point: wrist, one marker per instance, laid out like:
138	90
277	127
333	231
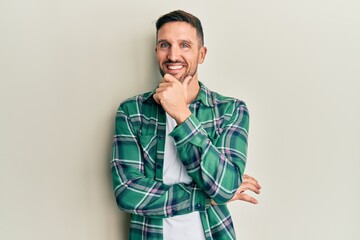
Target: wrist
182	116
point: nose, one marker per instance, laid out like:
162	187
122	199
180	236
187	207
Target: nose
174	54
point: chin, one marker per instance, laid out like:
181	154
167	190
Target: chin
178	76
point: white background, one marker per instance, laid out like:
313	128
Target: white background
66	65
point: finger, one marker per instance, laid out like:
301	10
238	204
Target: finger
164	84
169	78
248	178
255	184
247	198
161	89
249	186
156	98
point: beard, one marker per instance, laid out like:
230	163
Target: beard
183	76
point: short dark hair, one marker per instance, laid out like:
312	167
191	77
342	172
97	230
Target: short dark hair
182	16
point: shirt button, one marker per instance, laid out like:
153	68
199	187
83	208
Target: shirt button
160	137
198	206
158	165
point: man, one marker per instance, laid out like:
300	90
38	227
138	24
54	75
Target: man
179	152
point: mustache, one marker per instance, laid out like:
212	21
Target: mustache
169	61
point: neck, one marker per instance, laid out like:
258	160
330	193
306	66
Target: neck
193	89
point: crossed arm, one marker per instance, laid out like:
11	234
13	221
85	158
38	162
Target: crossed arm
208	162
140	194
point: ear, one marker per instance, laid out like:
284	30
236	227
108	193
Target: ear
202	55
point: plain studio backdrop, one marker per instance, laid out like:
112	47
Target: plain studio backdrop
65	66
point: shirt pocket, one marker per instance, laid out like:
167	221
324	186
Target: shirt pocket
148	144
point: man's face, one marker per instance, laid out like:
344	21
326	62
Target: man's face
178	50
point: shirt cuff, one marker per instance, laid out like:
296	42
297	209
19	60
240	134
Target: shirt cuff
200	201
189	131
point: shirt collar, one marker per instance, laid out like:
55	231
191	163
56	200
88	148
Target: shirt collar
204	96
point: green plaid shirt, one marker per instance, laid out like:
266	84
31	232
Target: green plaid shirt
212	145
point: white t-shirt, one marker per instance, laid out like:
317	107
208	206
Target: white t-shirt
187	226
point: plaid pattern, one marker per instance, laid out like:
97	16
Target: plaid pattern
212	145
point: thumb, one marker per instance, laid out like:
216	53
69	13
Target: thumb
186	81
156	98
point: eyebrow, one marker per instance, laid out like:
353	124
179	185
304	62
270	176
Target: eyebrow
161	41
187	41
180	41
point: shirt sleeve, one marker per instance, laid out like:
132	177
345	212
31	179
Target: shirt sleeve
134	192
215	164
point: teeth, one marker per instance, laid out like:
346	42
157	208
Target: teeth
175	67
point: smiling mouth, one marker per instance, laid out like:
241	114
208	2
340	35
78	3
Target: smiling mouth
175	67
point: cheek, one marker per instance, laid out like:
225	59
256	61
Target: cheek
200	58
160	56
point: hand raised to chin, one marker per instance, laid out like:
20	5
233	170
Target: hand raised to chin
171	94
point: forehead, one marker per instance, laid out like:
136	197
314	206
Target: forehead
177	31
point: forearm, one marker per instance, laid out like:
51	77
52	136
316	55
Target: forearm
138	192
151	198
212	170
216	165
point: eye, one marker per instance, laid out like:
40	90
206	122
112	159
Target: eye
164	45
184	45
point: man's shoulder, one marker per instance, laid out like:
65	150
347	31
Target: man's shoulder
218	97
214	98
136	101
140	97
